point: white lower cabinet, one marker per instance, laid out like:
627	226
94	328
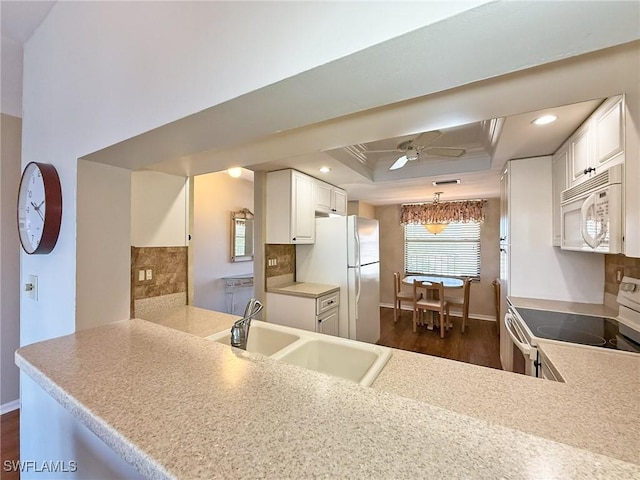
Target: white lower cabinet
320	314
328	322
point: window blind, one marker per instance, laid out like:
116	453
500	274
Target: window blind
454	252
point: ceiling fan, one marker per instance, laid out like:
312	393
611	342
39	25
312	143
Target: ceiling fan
412	149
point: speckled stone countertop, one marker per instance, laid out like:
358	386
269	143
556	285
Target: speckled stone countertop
304	289
597	408
193	320
178	406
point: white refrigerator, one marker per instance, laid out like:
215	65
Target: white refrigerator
346	253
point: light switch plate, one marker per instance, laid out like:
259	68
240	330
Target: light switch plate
31	287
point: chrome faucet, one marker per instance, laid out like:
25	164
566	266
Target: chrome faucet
240	329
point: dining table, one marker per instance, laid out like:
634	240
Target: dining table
447	282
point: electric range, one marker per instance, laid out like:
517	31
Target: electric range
528	326
576	328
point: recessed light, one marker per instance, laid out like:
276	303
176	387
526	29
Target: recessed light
234	172
325	169
543	120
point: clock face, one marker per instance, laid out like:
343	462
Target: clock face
39	208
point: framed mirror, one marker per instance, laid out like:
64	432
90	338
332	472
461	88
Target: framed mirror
242	236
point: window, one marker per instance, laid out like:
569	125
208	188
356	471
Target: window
454	252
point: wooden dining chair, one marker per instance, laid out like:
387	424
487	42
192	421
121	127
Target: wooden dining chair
432	300
399	297
461	300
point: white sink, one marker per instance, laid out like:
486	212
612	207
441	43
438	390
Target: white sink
340	357
356	361
264	338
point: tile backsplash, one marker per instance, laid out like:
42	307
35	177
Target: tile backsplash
168	266
285	260
612	263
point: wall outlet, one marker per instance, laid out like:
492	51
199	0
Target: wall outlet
149	274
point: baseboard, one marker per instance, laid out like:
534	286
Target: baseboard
9	407
475	316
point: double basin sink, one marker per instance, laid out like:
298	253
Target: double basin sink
340	357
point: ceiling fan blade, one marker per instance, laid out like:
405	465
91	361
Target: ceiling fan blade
444	151
384	151
426	138
399	163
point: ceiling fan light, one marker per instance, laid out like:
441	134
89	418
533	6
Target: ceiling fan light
435	228
412	154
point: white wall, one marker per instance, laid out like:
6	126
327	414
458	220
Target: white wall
537	269
104	265
159	209
216	195
10	265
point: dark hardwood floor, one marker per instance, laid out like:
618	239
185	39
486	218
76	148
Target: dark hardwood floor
9	443
479	344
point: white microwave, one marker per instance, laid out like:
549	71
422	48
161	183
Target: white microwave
592	214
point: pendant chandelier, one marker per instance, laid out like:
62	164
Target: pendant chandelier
436	228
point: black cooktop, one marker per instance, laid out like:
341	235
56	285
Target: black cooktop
574	328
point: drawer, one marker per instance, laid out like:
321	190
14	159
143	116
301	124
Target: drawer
327	302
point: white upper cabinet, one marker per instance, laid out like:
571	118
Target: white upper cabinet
330	199
559	183
598	143
580	154
290	217
609	131
339	201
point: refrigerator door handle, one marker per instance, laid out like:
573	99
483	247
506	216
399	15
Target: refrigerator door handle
358	286
358	259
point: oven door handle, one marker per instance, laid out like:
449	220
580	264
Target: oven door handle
525	348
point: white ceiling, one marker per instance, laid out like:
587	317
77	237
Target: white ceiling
478	169
20	19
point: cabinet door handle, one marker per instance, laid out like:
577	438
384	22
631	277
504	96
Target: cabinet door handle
589	170
294	239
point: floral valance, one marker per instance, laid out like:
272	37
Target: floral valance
443	212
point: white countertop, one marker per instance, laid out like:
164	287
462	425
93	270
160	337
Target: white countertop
304	289
282	421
